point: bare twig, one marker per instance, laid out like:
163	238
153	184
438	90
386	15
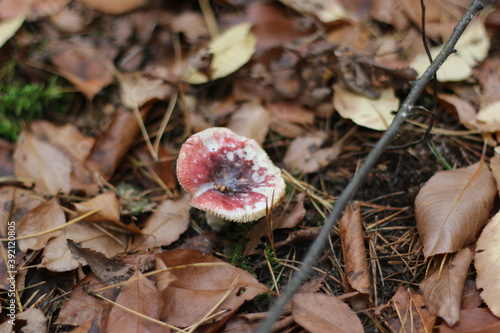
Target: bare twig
371	159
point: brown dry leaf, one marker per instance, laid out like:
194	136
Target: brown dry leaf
137	89
45	164
58	258
169	220
326	11
301	235
302	149
442	289
489	114
225	54
7	158
82	306
314	312
83	65
376	114
44	8
207	285
452	207
204	243
354	251
107	270
472	47
163	167
477	320
36	322
140	295
114	143
115	7
46	216
487	263
191	24
14	204
471	297
411	312
495	166
261	229
108	205
251	120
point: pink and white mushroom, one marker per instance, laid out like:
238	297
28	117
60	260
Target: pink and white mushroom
229	176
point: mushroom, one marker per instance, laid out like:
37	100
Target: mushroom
229	176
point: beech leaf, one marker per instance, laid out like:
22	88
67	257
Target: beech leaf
487	263
453	206
442	289
321	313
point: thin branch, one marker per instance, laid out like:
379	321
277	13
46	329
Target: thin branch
315	248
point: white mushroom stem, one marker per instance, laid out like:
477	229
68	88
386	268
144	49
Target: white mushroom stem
215	222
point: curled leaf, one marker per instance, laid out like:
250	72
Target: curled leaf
452	208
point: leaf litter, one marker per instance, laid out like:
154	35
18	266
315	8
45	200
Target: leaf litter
297	77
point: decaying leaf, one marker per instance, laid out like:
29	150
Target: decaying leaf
140	295
224	55
354	251
487	263
207	284
42	162
46	216
442	289
169	220
321	313
411	312
376	114
452	207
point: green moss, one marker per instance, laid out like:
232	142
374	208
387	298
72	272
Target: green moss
24	103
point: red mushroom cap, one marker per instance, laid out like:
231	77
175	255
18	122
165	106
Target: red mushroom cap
229	175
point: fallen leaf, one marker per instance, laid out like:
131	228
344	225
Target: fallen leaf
226	53
207	284
108	205
140	295
115	7
191	24
354	251
82	306
442	289
251	120
301	235
412	316
471	297
45	164
452	207
487	263
137	89
35	320
495	166
314	312
326	11
376	114
13	14
472	47
58	258
477	320
82	65
114	143
204	243
261	229
169	220
46	216
489	114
